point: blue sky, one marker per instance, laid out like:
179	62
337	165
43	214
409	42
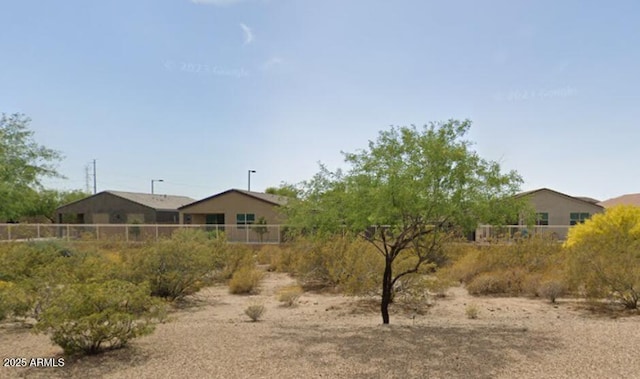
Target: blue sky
198	92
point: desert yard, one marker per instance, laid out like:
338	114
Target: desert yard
333	336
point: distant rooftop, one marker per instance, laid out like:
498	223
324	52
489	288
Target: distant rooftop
628	199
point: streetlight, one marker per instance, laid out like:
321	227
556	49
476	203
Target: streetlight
155	180
249	179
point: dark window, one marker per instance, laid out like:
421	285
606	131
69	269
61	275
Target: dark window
577	218
542	218
245	219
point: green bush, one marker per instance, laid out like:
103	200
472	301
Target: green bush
178	266
88	318
245	280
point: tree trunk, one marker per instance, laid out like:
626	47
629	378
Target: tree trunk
386	291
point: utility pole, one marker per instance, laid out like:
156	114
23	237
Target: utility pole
87	182
95	181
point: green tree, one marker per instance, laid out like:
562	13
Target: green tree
406	193
605	255
45	202
23	163
288	190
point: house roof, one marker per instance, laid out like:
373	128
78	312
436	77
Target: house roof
157	202
578	198
628	199
267	197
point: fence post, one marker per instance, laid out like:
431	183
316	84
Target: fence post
97	232
38	234
9	232
157	236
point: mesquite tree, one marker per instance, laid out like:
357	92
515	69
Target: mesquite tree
405	193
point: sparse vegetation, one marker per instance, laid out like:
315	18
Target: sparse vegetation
508	269
472	311
245	280
289	295
255	311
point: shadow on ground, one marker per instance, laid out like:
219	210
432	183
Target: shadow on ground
416	351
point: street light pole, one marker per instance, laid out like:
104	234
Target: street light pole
249	179
155	180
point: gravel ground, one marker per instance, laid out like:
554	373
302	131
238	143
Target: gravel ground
332	336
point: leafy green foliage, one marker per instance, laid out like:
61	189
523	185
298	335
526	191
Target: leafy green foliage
605	255
284	189
44	203
23	163
87	318
178	266
408	193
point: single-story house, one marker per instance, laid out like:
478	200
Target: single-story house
628	199
555	212
232	211
116	207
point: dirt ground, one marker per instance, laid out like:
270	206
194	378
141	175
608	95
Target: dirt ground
333	336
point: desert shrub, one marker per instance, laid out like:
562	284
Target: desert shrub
88	318
552	289
15	300
350	264
178	266
604	255
488	283
255	311
234	258
289	295
245	280
472	311
277	257
514	269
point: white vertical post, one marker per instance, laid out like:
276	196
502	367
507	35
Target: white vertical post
38	234
68	231
9	232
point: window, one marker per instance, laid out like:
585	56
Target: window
542	218
245	219
577	218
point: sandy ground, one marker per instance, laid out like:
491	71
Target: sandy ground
332	336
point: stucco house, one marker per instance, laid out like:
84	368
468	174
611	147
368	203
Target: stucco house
554	211
238	213
117	207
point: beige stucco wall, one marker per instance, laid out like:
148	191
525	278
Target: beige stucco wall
559	207
231	204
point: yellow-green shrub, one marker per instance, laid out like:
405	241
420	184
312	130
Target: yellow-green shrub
289	295
245	280
178	266
516	268
350	264
87	318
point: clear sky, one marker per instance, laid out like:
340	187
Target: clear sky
197	92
